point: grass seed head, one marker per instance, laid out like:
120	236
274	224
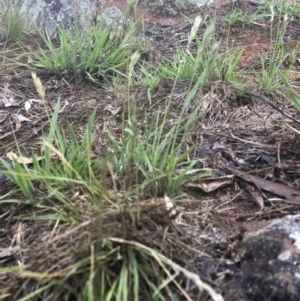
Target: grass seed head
194	29
131	7
38	85
133	60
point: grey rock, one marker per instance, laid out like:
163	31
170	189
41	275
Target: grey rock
2	178
270	267
49	15
113	16
175	7
257	2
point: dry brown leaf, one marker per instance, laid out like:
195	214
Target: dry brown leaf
9	102
171	208
38	101
112	110
20	118
211	185
21	159
27	105
291	194
169	203
64	107
18	126
34	131
256	194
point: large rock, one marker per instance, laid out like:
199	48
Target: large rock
175	7
112	16
50	14
270	268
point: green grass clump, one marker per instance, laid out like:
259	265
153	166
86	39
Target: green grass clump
186	65
287	7
71	187
270	76
238	16
95	56
14	24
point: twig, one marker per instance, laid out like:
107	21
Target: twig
268	101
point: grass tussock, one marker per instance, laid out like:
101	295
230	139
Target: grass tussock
13	23
93	56
104	238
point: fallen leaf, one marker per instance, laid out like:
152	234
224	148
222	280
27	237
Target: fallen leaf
20	118
256	194
112	110
169	203
9	102
34	131
31	100
18	126
27	105
209	186
171	208
21	159
64	107
291	195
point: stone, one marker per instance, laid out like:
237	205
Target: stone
257	2
175	7
270	267
114	17
50	15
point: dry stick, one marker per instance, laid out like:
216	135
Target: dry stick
252	142
161	258
267	100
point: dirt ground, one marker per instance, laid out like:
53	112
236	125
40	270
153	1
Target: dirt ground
241	136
